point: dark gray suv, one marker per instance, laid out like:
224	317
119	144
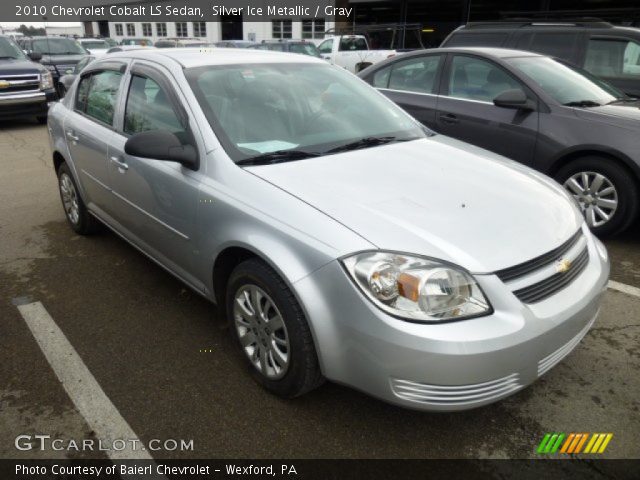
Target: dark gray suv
531	108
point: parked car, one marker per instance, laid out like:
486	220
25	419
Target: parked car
352	52
26	88
144	42
340	237
126	48
69	76
610	52
112	42
537	110
234	44
182	43
95	46
291	46
58	54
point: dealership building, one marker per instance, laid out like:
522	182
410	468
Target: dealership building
437	17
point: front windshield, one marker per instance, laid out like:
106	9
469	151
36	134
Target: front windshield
58	46
8	49
566	84
95	44
262	108
304	48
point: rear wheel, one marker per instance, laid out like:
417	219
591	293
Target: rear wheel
271	330
606	192
79	218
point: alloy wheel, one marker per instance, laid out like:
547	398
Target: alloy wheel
596	195
262	331
69	198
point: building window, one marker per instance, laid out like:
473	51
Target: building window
146	30
199	29
181	29
131	29
161	29
313	28
119	30
281	28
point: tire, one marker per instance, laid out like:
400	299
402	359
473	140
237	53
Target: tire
616	185
42	120
79	218
300	372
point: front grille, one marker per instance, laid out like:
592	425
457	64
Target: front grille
556	282
20	83
529	266
554	358
456	395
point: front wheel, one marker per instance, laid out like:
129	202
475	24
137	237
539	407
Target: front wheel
271	330
606	192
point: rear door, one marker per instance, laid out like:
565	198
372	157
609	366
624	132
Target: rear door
466	110
412	83
89	128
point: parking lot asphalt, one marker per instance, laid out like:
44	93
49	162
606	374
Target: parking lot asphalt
143	336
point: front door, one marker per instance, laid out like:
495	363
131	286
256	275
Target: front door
466	110
155	201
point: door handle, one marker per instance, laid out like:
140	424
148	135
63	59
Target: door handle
120	162
449	118
74	138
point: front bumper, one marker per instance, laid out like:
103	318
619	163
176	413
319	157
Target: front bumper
451	366
26	104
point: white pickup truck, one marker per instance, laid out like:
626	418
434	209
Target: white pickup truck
351	52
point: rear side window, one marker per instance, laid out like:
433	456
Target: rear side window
556	44
97	95
352	43
415	74
149	108
613	57
477	39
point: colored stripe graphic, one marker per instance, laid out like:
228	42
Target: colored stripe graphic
573	443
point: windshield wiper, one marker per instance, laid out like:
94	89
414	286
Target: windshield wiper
367	142
582	103
277	157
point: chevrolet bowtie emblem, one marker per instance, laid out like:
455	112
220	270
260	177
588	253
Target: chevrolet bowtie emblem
4	84
563	265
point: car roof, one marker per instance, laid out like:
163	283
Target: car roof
493	52
198	57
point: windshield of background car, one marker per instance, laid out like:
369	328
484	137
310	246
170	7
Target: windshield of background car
564	83
261	108
95	44
58	46
8	49
304	48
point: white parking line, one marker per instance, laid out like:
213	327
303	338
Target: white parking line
624	288
81	386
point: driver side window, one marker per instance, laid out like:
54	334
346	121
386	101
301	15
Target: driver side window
473	78
149	108
326	46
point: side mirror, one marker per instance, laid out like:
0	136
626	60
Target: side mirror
514	99
161	145
35	56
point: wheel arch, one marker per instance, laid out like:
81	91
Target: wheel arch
574	153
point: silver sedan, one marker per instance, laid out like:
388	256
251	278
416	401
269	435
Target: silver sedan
338	237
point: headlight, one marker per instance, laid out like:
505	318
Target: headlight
46	81
417	289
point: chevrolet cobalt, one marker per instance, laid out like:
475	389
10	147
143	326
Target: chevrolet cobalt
339	237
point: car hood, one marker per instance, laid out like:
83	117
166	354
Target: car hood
620	114
19	67
436	197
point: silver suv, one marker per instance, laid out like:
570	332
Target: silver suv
339	237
